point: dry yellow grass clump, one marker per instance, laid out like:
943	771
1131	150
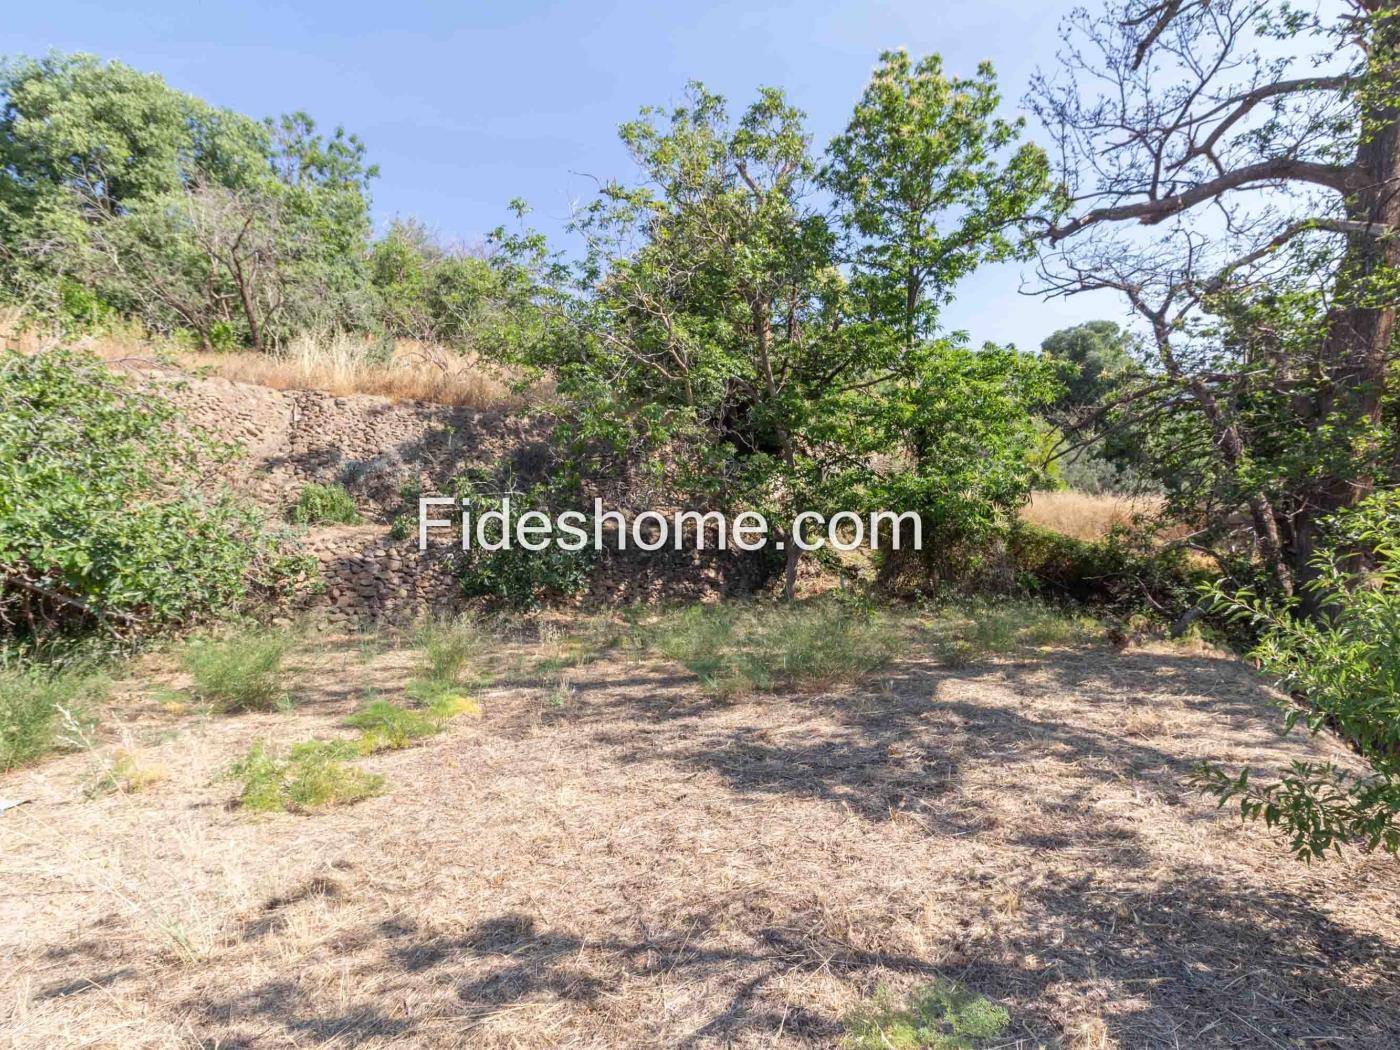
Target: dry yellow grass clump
346	364
1085	516
337	363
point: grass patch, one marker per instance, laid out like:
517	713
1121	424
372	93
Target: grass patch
314	774
388	727
240	673
938	1016
738	649
324	505
962	633
448	645
44	708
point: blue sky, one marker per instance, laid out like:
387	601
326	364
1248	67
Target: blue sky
467	105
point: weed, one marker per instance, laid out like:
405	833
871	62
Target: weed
389	727
961	633
940	1016
448	645
39	704
240	673
314	774
324	505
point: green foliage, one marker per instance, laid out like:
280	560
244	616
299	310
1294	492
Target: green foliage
514	576
388	727
312	775
1102	356
1343	671
101	520
37	701
939	1016
926	193
712	313
1125	573
324	505
243	672
448	645
963	631
738	649
181	215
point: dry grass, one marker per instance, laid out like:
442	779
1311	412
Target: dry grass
338	364
1084	516
344	364
648	866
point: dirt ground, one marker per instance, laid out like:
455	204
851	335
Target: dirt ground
608	857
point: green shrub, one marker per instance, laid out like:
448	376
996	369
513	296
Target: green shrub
939	1016
324	505
736	649
36	701
1125	572
102	523
243	672
312	775
513	576
1342	668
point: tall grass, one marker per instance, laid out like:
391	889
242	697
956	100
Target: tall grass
737	649
242	672
1085	516
963	631
341	363
43	708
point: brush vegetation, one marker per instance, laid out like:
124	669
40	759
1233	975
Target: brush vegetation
311	775
737	649
243	672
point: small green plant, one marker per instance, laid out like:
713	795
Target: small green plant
37	701
389	727
314	774
242	672
736	649
962	632
324	505
448	645
939	1016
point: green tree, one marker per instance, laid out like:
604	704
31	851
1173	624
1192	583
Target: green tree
179	213
1103	356
930	184
710	310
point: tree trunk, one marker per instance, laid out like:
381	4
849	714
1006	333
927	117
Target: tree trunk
1356	348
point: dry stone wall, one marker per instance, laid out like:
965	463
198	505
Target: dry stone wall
376	447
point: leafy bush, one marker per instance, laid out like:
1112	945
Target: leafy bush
313	774
36	700
101	521
324	505
514	576
240	673
940	1016
735	649
1125	572
1343	667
